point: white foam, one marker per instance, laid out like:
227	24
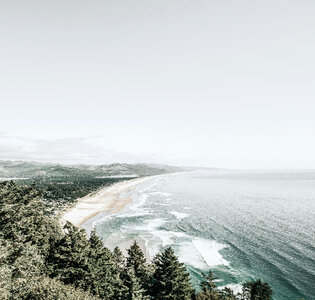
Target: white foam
134	214
178	234
188	255
160	193
164	236
147	188
165	194
139	202
209	250
105	218
179	215
149	225
160	204
167	237
152	249
201	253
236	288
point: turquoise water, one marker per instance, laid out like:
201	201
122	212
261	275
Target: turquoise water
243	225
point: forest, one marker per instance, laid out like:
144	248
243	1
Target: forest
59	193
41	260
61	185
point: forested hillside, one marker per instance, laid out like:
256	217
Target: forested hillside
40	260
35	170
61	185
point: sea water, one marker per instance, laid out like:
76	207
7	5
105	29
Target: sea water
241	224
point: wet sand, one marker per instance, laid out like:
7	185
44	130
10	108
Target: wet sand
107	200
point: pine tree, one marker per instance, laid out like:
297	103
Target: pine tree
44	288
105	278
137	263
209	288
171	279
135	289
69	258
23	218
119	258
256	290
208	283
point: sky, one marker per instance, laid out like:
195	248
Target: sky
212	83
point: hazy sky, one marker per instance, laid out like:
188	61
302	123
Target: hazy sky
214	83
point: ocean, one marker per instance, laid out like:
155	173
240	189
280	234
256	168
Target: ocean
241	224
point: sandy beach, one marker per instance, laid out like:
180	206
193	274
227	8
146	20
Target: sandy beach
107	200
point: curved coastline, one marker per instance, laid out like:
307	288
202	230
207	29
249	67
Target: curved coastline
106	201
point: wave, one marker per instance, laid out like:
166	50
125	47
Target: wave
160	193
149	225
188	255
134	214
235	287
209	250
168	237
139	202
202	253
179	215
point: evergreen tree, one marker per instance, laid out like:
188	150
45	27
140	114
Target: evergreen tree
256	290
208	288
44	288
19	262
23	218
105	278
69	258
135	290
208	283
171	279
5	270
119	258
137	263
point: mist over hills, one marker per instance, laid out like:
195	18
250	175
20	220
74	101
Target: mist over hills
37	170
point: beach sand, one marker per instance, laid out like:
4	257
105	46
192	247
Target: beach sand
106	201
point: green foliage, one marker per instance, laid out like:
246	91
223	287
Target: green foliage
209	289
208	284
135	290
171	279
105	278
22	275
256	290
44	288
137	263
60	192
137	267
69	259
119	259
23	218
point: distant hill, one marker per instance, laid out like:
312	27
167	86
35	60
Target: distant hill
61	185
36	170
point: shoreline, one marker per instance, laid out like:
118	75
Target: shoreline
103	202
